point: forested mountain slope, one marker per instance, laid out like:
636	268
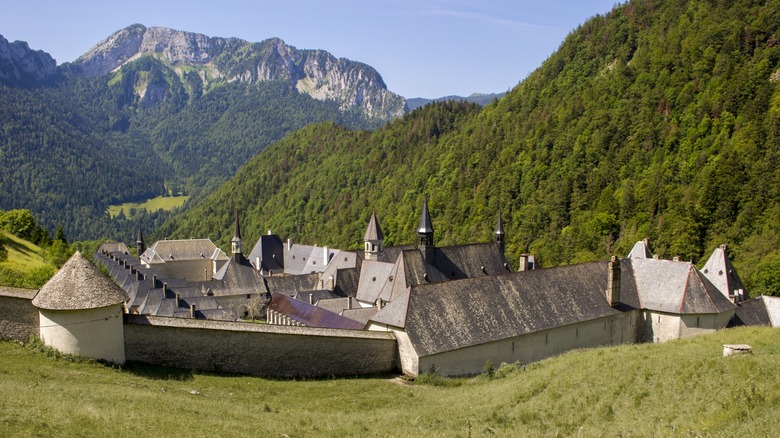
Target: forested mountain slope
76	139
657	120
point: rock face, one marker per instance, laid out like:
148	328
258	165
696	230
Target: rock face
20	65
353	85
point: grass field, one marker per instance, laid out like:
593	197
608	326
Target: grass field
26	265
166	203
681	388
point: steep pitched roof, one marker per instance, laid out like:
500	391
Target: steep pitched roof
189	249
311	316
237	276
447	316
454	263
291	284
374	231
719	270
78	285
640	251
676	287
751	312
110	247
373	276
425	227
269	251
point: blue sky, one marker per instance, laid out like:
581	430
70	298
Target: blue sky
423	48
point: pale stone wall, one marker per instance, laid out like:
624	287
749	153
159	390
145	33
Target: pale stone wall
661	327
95	333
693	325
612	330
258	349
18	317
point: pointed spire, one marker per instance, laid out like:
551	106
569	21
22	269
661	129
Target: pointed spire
425	233
500	232
236	243
373	239
426	226
140	245
374	231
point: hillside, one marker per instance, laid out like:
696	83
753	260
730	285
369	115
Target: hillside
677	388
154	111
478	98
655	120
26	264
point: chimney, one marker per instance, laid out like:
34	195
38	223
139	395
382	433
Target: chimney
257	263
178	297
269	232
164	288
311	299
289	244
613	282
321	284
154	281
331	283
523	262
379	304
676	258
325	253
192	311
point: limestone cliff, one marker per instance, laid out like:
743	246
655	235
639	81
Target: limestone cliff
21	65
353	85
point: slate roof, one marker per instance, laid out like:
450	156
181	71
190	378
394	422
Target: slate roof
78	285
311	316
373	231
425	227
313	295
640	251
447	316
454	263
373	276
236	277
269	249
347	281
291	284
719	270
361	315
114	247
336	305
676	287
189	249
751	312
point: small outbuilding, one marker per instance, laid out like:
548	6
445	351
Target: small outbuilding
81	312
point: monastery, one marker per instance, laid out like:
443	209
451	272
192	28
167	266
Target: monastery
448	309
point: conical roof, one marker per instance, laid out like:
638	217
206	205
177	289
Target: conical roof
237	228
499	225
78	285
425	220
374	231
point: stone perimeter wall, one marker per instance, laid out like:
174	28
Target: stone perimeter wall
18	317
258	349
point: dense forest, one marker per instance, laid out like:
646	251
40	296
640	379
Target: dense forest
658	120
71	146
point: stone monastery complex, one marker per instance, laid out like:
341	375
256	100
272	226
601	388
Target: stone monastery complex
412	309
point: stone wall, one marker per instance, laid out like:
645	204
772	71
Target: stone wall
18	317
258	349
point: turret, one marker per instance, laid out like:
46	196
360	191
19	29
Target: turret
373	239
425	233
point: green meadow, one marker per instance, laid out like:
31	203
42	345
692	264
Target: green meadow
26	265
166	203
680	388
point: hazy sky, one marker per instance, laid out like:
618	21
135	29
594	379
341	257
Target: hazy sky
422	48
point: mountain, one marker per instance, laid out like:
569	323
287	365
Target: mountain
316	73
478	98
149	112
657	120
19	65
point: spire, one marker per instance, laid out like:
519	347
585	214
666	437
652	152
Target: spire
236	243
425	233
500	232
373	239
140	246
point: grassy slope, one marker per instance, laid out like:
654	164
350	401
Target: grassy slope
26	265
679	388
166	203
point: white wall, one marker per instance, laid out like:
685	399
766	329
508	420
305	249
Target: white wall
613	330
95	333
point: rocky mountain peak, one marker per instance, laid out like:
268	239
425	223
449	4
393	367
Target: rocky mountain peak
314	72
21	65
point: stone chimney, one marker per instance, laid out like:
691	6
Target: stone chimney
613	282
192	311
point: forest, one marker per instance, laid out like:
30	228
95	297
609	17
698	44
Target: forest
657	120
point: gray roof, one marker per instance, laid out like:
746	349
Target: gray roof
719	270
450	315
373	231
373	277
454	263
237	277
361	315
269	250
78	285
676	287
751	312
291	284
394	313
425	226
336	305
113	247
640	251
189	249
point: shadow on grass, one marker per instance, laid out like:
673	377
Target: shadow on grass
155	372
